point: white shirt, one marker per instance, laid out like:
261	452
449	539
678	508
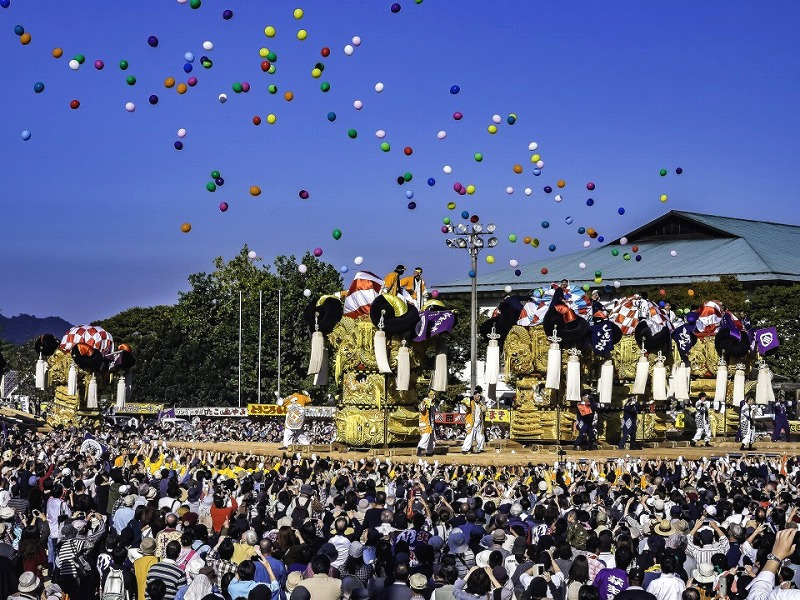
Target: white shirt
763	588
556	579
342	545
667	587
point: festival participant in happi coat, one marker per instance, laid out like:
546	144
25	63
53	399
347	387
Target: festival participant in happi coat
781	410
747	424
415	286
295	419
701	420
630	414
475	423
391	283
427	435
585	417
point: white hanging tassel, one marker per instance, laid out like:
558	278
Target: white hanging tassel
738	385
671	382
379	342
91	397
553	379
128	384
321	378
121	392
721	389
317	348
403	367
2	386
72	380
642	371
682	382
439	383
573	376
41	372
764	392
660	379
606	382
492	359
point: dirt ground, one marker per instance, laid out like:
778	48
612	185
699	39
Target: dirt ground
503	453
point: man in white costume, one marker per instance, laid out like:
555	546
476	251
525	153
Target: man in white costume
475	423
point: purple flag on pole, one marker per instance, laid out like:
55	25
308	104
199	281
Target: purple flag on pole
684	338
434	322
728	323
766	339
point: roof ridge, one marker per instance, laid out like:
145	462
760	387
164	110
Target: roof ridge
689	213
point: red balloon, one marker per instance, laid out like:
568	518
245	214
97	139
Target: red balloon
544	270
408	151
663	292
265	65
256	120
74	104
325	52
635	248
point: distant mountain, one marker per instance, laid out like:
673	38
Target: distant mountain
22	328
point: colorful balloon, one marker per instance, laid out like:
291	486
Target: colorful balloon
255	190
454	89
331	116
358	260
26	135
337	234
152	41
590	186
358	105
356	41
678	171
38	87
663	197
663	172
304	194
186	227
441	135
458	116
317	252
223	206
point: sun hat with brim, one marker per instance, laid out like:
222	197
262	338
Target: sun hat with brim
457	542
704	573
28	582
6	512
664	528
418	582
356	550
482	559
293	580
498	536
306	489
148	546
486	541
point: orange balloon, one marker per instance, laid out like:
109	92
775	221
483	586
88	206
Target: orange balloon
690	292
591	231
186	227
57	52
663	292
561	183
635	248
255	191
182	87
25	39
169	82
526	240
517	168
288	96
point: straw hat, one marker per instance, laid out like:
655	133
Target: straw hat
664	528
704	573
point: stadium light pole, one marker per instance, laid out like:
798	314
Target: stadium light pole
469	236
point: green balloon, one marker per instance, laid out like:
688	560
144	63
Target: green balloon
512	237
272	57
319	66
535	242
237	87
626	256
123	64
80	58
615	252
215	175
272	88
271	70
663	172
211	186
337	233
446	220
407	176
385	146
131	80
207	64
325	86
352	133
195	3
478	157
585	287
598	273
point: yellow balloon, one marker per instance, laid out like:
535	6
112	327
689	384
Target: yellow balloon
492	129
302	34
451	205
271	119
298	13
490	259
470	189
315	73
269	31
598	280
263	52
663	197
536	158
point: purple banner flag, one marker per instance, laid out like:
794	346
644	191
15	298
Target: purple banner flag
766	339
434	322
602	337
684	338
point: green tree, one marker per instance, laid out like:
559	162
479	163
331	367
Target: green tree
779	307
728	290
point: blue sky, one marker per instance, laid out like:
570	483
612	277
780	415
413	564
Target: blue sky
611	91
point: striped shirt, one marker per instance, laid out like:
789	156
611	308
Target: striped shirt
168	572
703	554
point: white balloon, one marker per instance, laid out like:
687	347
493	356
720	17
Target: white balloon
673	253
182	1
559	198
223	98
442	134
379	87
587	243
348	50
181	132
208	45
130	106
380	134
447	169
617	284
513	262
358	260
540	164
497	118
356	41
623	240
533	146
74	65
306	292
252	255
507	289
358	105
528	191
582	265
509	190
302	268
